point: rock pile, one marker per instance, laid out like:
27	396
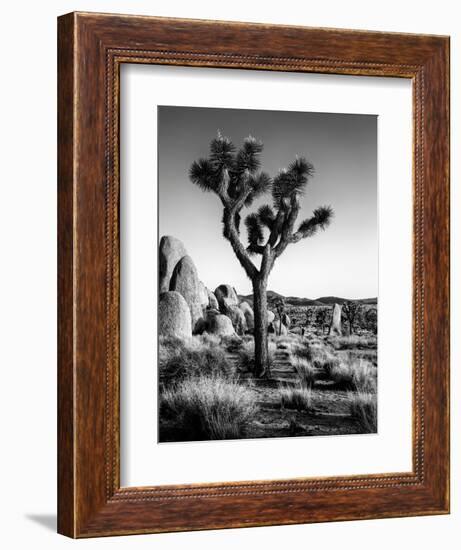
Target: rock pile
187	306
226	297
183	297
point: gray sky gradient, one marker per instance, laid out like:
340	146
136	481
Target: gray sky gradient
341	261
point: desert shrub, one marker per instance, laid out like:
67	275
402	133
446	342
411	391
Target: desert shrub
311	337
232	343
194	360
303	351
359	375
296	397
370	320
354	341
246	354
342	374
363	407
207	340
286	340
322	358
369	355
364	376
208	407
305	372
168	346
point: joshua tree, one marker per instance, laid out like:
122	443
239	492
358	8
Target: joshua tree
309	316
322	318
371	320
235	177
280	307
352	311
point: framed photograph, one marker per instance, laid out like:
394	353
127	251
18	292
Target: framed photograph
253	275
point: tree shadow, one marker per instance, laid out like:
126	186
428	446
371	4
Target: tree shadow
49	521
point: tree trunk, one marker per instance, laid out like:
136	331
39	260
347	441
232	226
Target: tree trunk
260	326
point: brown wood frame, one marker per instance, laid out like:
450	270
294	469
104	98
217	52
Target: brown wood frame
91	49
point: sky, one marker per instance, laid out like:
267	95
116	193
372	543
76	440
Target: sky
340	261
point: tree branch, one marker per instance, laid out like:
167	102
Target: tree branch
231	234
276	228
321	218
288	226
267	261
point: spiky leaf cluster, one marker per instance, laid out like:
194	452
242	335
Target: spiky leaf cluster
266	216
254	230
232	174
287	186
321	219
291	181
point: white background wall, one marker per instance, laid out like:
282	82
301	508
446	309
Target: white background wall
28	271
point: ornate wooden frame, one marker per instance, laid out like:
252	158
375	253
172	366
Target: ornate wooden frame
91	48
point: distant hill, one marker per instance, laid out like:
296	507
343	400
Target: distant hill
304	302
294	301
369	301
328	300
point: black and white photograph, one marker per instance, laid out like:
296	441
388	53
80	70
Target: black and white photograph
267	274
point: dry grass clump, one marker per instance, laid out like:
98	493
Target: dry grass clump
364	376
207	340
208	407
296	397
363	406
302	350
322	358
354	341
305	372
367	354
358	375
180	359
232	343
168	346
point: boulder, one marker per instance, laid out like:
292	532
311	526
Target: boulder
203	296
249	315
185	281
335	325
212	301
171	250
226	296
237	317
270	317
174	317
220	325
200	326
